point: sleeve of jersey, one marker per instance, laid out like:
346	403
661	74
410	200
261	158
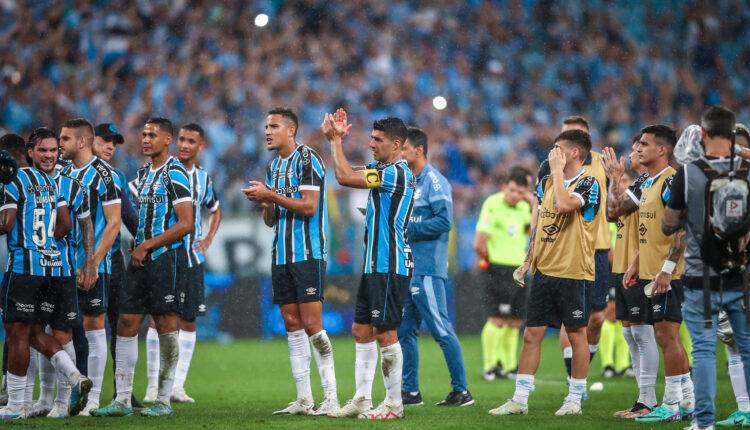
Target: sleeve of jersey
179	188
269	176
388	178
10	197
108	191
211	201
81	202
666	190
677	199
588	191
540	190
634	191
311	173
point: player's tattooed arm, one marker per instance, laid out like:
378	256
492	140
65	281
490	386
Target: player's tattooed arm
270	214
673	221
87	278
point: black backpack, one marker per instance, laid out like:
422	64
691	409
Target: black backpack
726	223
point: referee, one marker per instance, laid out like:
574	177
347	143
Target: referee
500	244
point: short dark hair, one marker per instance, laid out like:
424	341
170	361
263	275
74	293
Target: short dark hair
80	123
14	145
163	124
519	175
287	113
663	132
577	119
718	121
40	134
196	128
579	138
393	127
417	138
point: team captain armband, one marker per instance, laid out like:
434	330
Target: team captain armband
372	178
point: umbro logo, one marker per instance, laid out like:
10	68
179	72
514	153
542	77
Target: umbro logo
642	229
72	315
311	291
202	308
375	313
551	229
96	302
577	313
169	298
504	308
657	308
635	310
619	224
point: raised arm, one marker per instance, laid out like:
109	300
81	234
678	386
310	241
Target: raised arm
619	201
565	202
335	127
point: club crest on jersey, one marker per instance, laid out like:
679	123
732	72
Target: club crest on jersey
417	193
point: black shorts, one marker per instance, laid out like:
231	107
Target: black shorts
555	301
116	281
502	297
152	289
598	295
380	299
23	297
95	301
632	304
62	296
618	293
666	307
192	295
300	282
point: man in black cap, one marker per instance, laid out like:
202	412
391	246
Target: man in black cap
106	139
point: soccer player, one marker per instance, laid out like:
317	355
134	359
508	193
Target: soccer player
295	205
98	178
190	142
598	295
388	261
663	309
34	215
427	233
106	140
62	295
562	257
638	333
165	216
501	240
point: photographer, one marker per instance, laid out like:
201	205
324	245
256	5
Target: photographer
714	264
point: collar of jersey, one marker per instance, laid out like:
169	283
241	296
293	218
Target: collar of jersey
151	165
567	182
290	155
73	167
423	172
650	181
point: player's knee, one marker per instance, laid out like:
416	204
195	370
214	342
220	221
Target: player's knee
362	333
186	325
531	336
666	339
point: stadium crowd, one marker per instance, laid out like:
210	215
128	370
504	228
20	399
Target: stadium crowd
510	70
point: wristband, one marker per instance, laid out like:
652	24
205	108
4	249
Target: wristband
668	266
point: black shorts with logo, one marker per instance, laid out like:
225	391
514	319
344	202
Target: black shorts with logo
380	299
598	295
631	304
502	297
300	282
116	281
152	289
192	294
21	298
61	296
95	300
666	307
554	301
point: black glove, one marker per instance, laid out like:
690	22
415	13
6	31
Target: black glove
8	167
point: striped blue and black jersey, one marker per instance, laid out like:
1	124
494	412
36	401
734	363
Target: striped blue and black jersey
156	192
73	192
298	237
122	187
32	248
388	211
204	196
97	178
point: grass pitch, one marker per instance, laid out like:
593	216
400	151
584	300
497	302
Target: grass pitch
238	385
